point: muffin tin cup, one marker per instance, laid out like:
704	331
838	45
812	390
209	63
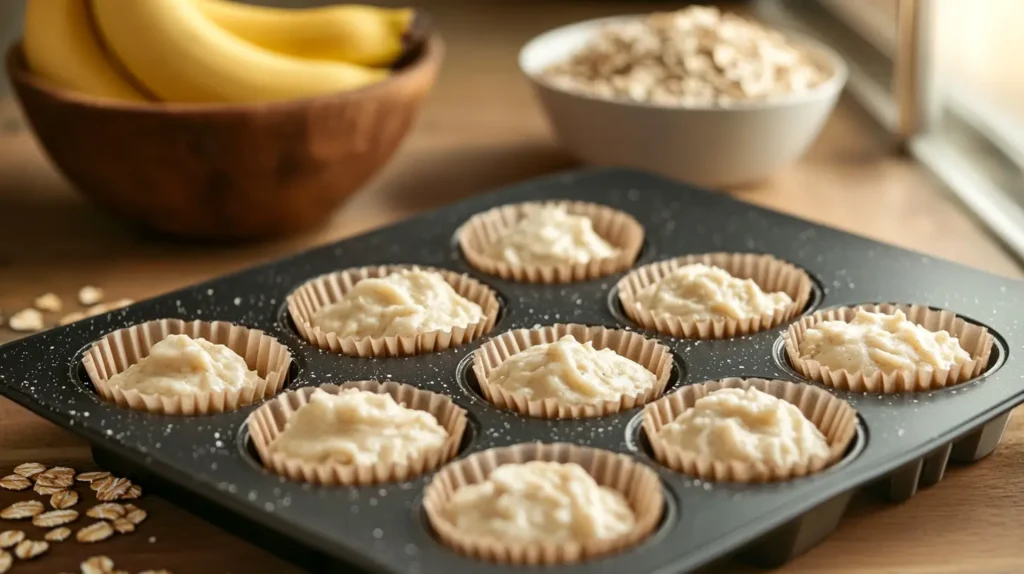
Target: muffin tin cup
304	302
648	353
620	229
771	274
638	483
267	423
117	351
834	417
975	339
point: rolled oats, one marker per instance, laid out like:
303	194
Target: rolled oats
106	511
11	538
697	56
15	482
136	516
95	532
64	499
97	565
59	534
6	561
22	510
124	525
132	493
57	477
26	320
49	302
29	469
30	549
90	295
55	518
114	490
101	483
91	475
46	490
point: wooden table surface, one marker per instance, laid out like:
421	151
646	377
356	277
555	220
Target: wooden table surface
481	129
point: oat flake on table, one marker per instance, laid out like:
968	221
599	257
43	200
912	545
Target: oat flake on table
697	56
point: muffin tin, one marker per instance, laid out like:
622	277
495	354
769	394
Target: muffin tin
207	464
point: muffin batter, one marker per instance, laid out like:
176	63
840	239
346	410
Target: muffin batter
572	373
357	427
874	342
748	426
701	292
550	236
402	303
180	365
540	501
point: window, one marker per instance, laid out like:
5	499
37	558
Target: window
942	77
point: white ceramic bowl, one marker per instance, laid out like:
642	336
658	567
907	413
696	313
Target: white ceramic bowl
711	146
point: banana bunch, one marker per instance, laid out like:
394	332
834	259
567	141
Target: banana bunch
211	50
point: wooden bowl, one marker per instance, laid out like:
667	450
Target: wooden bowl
225	170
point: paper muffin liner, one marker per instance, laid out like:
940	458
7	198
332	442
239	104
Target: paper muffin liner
771	274
649	353
637	482
304	302
620	229
117	351
834	417
975	339
268	421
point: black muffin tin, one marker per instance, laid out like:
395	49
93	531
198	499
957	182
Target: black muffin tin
904	442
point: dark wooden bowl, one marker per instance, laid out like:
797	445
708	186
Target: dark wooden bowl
225	170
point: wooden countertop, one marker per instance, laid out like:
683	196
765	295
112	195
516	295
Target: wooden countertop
480	130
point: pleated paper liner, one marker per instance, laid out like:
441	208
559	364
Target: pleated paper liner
834	417
771	274
117	351
267	422
649	353
304	302
975	339
637	482
620	229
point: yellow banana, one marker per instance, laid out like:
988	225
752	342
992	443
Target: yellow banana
178	54
365	35
61	46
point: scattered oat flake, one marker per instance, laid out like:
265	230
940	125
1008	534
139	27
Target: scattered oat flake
90	295
106	511
96	532
64	499
29	469
29	549
6	560
136	516
102	482
26	321
55	518
134	492
47	490
57	477
15	482
49	302
124	525
11	538
97	565
22	510
59	534
114	490
71	318
91	475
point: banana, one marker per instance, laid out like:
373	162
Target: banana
365	35
178	54
61	46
